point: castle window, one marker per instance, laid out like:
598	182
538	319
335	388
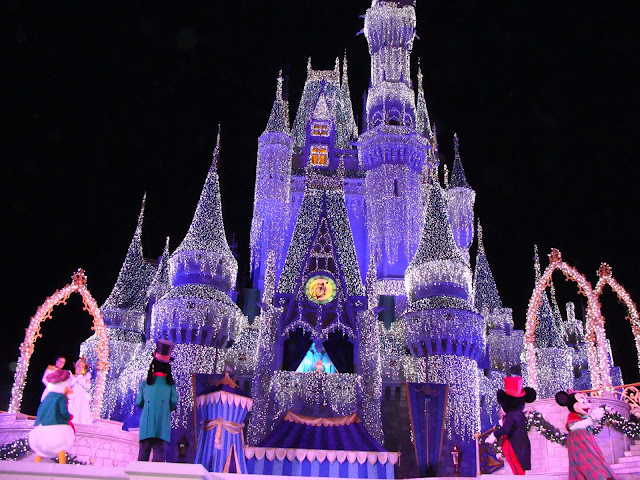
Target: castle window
320	130
395	187
319	156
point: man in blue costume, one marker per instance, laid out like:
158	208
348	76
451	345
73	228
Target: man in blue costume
157	397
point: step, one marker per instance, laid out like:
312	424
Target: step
631	459
635	448
626	467
632	453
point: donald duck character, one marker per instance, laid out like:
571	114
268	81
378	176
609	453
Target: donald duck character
53	434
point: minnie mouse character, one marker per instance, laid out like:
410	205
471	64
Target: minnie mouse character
513	428
586	461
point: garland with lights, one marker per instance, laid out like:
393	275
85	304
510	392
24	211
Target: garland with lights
15	450
79	284
555	435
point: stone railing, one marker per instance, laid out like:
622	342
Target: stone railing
629	393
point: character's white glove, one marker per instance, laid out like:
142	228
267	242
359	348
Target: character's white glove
582	424
491	439
501	421
597	414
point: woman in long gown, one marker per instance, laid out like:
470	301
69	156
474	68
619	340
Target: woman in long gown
80	399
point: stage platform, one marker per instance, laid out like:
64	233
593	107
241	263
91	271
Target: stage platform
24	470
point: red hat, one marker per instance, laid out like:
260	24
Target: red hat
513	386
58	376
163	350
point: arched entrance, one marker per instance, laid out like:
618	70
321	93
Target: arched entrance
606	278
79	285
596	337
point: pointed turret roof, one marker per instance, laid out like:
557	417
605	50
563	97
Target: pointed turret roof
206	231
130	290
437	241
336	97
423	124
458	178
484	286
346	109
546	334
321	110
161	283
279	118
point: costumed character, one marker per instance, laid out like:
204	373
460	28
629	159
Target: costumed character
586	461
80	399
512	430
157	398
60	361
53	434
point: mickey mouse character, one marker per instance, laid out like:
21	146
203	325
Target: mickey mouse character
513	429
586	461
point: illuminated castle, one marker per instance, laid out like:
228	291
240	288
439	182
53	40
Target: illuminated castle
361	269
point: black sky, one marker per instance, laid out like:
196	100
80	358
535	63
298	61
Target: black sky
104	102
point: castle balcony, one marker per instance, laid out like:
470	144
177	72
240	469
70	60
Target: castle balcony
447	331
393	145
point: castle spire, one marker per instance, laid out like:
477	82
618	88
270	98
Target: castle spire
484	285
437	241
458	178
206	231
279	117
161	283
423	124
130	290
346	105
547	334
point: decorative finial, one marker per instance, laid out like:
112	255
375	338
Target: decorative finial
279	87
480	239
79	278
446	175
536	262
141	214
420	89
216	150
456	146
604	271
435	137
308	66
336	67
555	256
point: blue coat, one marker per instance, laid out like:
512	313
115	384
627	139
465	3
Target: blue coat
53	410
157	402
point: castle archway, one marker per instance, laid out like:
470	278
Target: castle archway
596	337
32	333
606	278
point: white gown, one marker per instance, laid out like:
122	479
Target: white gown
80	399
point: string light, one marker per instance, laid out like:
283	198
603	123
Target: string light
32	333
597	347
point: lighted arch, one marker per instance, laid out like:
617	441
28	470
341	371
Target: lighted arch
78	284
606	278
596	338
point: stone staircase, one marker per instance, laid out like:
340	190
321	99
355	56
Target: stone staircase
629	465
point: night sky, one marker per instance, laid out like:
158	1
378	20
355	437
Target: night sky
105	102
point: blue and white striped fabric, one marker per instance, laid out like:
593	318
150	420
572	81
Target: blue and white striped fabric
229	458
305	468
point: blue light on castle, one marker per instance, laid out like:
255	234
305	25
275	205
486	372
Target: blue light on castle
362	261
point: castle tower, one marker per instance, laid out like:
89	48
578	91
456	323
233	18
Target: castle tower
442	326
555	368
391	150
504	344
273	178
197	309
461	199
124	315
